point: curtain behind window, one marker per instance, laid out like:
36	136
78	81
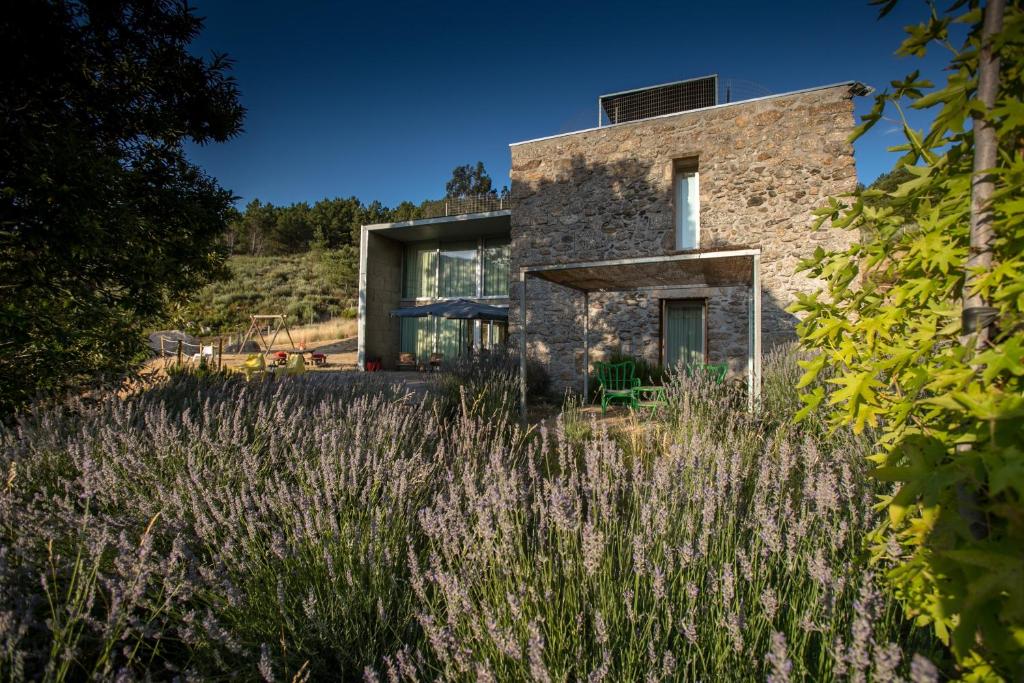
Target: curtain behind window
453	337
496	267
684	333
418	337
420	271
458	270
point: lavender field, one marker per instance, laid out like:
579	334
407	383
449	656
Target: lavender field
332	527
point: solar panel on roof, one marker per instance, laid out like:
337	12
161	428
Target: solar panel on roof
658	100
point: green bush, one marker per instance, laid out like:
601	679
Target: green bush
293	285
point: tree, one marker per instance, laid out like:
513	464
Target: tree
924	323
255	228
102	219
469	181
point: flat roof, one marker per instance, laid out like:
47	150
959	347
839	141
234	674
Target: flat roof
467	225
723	267
857	86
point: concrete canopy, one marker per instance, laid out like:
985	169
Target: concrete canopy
462	226
709	267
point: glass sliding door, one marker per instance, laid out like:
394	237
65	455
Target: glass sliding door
418	337
454	337
683	333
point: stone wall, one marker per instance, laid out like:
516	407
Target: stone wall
607	193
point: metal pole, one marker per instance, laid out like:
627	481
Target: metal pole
757	330
586	347
522	344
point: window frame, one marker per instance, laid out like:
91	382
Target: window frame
438	248
703	303
688	167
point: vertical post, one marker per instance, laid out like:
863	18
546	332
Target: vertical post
757	330
163	358
179	353
754	361
586	347
522	344
220	353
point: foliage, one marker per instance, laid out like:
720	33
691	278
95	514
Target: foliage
480	386
213	528
102	218
333	225
469	181
303	286
949	415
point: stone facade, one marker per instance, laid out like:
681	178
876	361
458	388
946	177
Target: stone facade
764	166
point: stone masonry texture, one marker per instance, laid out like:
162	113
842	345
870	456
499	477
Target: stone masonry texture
603	194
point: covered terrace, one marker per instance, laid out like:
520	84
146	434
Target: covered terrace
716	268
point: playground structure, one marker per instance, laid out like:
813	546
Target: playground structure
256	327
176	349
180	351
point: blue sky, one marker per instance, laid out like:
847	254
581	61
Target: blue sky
381	100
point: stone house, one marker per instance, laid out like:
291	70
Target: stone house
651	233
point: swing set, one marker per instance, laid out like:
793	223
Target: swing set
261	321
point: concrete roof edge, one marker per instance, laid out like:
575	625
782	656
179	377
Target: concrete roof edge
440	219
861	89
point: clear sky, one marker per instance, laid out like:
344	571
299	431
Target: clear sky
382	99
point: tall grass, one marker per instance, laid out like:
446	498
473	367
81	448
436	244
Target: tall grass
333	526
290	285
328	330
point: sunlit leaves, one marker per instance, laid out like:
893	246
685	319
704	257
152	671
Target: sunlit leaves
949	420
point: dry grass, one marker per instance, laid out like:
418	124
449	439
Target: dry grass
329	330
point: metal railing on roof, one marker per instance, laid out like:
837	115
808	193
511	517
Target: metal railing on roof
456	206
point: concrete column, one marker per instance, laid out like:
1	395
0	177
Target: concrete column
757	330
586	347
522	344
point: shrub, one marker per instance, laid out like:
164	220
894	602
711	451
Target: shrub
331	525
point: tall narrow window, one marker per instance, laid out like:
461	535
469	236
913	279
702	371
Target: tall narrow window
687	204
683	333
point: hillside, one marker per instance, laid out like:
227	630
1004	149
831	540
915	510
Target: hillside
299	286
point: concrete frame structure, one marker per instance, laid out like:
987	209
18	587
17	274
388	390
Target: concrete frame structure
381	254
633	273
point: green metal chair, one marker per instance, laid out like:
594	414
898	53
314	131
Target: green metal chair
616	382
716	372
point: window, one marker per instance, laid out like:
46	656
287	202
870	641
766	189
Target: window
418	337
496	267
420	271
458	270
686	192
683	332
494	335
454	337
